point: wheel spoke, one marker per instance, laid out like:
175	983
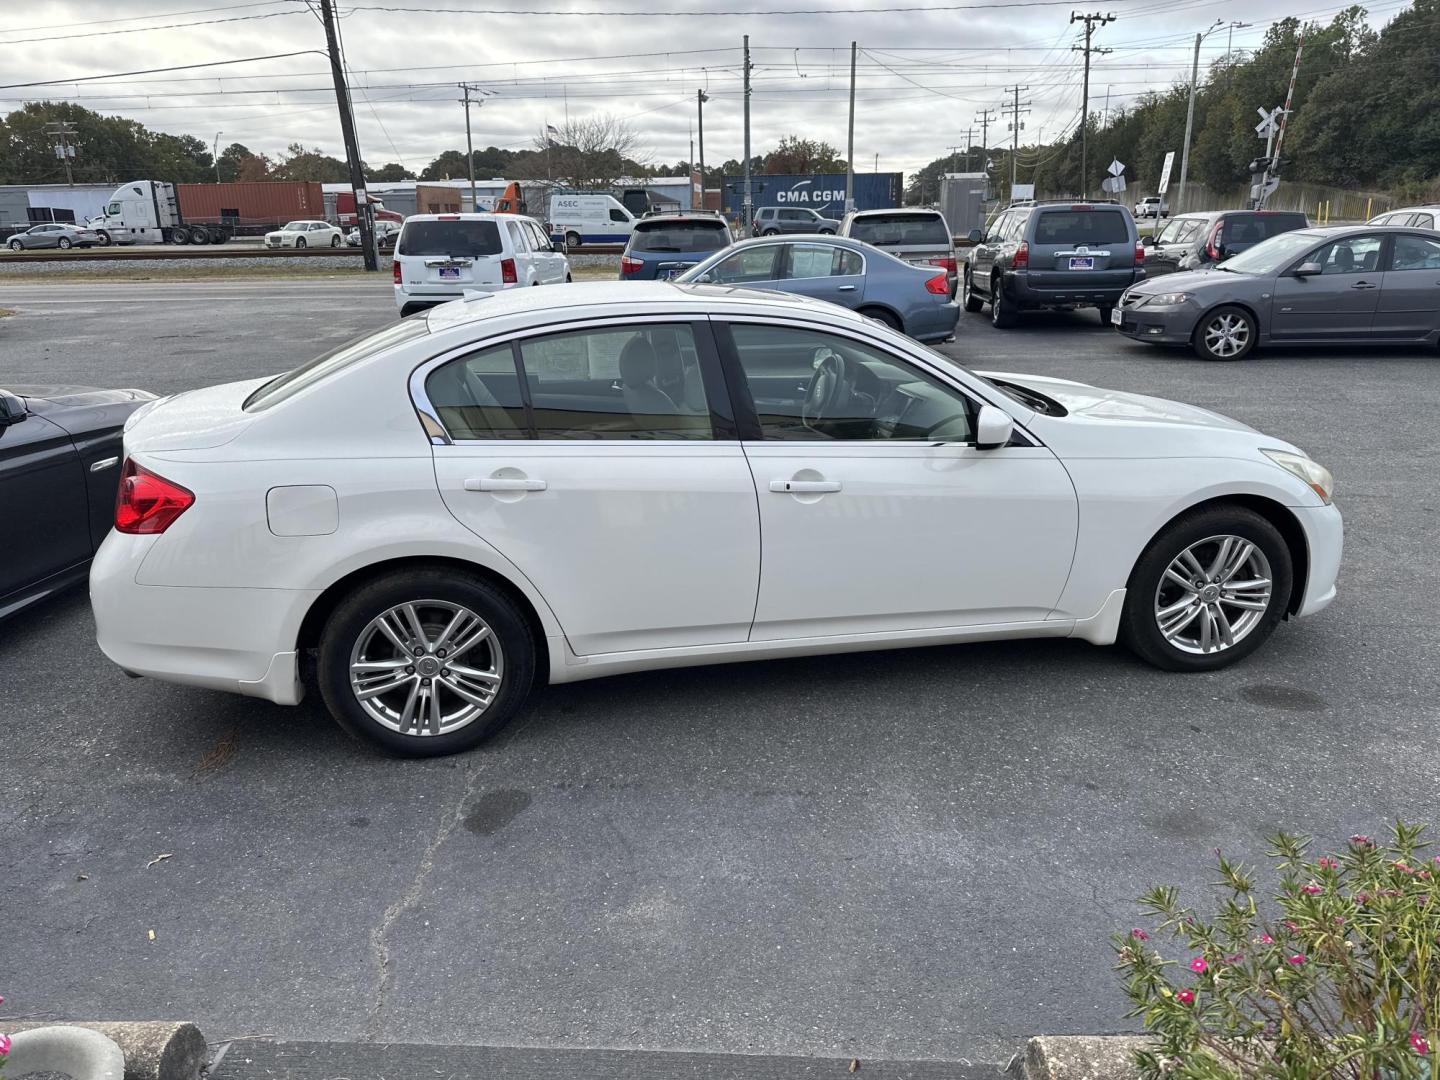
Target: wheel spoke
1247	605
472	638
1207	629
394	634
361	667
407	714
417	632
381	684
1238	558
458	686
1165	614
1177	625
1180	579
1254	585
1222	557
479	674
1188	557
1227	634
432	698
459	619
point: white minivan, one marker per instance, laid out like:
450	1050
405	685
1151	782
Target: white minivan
590	219
441	257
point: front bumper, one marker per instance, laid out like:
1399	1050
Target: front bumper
1158	325
1325	538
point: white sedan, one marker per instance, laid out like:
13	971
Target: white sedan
303	234
546	486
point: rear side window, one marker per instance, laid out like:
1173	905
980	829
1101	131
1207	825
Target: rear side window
326	364
884	230
1063	227
680	236
469	238
1252	228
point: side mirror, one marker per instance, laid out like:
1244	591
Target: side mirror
974	236
558	245
993	428
12	409
1148	240
1309	269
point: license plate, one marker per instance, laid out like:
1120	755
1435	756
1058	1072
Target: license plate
449	273
1117	316
1086	262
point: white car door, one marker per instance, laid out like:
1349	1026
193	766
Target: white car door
878	512
603	476
527	270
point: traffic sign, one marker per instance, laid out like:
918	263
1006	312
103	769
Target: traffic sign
1116	168
1165	172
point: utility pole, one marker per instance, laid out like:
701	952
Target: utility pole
1180	206
470	149
1015	125
63	130
700	98
747	203
215	154
364	212
984	120
850	143
1090	22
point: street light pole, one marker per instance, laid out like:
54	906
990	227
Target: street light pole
700	98
1180	206
215	153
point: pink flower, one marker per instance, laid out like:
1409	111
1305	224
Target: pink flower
1185	997
1325	862
1310	889
1290	925
1362	898
1403	866
1360	840
4	1045
1139	935
1419	1044
1297	959
1266	939
1198	964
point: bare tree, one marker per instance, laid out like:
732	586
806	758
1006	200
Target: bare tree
591	152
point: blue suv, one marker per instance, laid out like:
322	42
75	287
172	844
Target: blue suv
666	245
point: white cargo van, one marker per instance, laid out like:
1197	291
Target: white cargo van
590	219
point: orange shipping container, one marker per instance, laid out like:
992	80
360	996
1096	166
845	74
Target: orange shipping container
259	202
436	199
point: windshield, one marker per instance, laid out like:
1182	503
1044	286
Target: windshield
898	230
296	226
449	238
326	364
680	236
1273	255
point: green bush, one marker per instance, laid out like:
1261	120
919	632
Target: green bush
1339	978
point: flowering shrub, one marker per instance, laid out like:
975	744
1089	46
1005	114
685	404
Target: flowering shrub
4	1046
1341	978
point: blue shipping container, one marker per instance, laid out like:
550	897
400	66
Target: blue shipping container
822	192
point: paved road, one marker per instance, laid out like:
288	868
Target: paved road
907	855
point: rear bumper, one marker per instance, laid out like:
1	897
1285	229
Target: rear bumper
1026	295
935	323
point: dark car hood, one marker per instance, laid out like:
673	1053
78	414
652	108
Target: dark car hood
1191	279
45	400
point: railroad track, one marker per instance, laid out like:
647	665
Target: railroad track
182	251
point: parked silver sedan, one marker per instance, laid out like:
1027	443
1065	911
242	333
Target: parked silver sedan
1366	284
54	234
912	299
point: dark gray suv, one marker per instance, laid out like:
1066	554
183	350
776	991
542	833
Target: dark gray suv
1053	255
770	220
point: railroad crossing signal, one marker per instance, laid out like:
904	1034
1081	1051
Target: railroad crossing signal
1269	121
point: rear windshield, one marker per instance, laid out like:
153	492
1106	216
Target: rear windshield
449	238
1081	227
680	236
898	230
1252	228
326	364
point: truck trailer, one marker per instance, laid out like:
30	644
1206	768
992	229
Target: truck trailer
159	212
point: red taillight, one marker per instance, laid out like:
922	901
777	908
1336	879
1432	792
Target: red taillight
939	285
507	272
1022	256
395	271
146	502
1139	253
948	262
630	265
1212	247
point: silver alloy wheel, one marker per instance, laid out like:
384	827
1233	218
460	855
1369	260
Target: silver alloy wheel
1227	334
1213	594
427	667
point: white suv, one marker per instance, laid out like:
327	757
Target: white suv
441	257
1152	206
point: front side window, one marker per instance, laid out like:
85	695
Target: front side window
812	386
619	215
1174	231
750	264
1415	253
1354	255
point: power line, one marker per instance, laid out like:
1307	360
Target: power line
151	71
135	18
147	29
745	12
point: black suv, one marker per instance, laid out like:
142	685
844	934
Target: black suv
1053	255
1192	241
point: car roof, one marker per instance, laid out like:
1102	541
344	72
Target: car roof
895	210
682	218
658	297
481	216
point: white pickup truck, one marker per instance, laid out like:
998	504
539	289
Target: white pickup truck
1152	206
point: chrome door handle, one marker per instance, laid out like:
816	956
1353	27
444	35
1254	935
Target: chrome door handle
504	483
845	288
803	487
1363	285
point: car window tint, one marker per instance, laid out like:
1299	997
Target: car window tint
1424	221
478	396
1415	253
1064	227
617	382
751	264
884	230
811	260
468	238
812	386
1174	232
1353	255
847	263
680	236
618	215
1016	229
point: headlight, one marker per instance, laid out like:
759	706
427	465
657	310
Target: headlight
1315	476
1168	299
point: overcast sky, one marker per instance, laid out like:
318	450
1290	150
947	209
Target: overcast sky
925	75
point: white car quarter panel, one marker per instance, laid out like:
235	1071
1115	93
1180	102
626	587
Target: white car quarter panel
635	544
302	510
918	536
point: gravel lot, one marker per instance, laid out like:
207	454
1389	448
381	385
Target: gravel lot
915	854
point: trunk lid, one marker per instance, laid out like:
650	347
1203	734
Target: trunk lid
193	420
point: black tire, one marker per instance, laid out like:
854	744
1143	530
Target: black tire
180	236
572	241
568	279
889	318
334	241
299	242
63	243
199	236
104	238
347	624
972	302
1105	313
1139	625
1202	339
827	232
1001	317
770	232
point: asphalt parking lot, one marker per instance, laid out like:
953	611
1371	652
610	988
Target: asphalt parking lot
912	855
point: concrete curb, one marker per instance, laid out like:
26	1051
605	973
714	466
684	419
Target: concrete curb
1078	1057
153	1049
